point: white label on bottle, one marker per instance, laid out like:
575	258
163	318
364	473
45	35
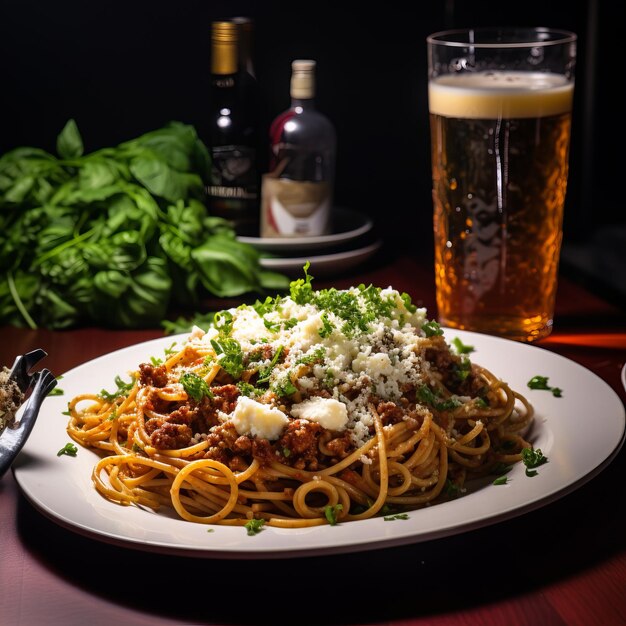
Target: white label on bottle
292	208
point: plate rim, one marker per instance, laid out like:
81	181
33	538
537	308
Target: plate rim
278	244
247	549
333	257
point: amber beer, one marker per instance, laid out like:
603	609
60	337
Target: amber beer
500	143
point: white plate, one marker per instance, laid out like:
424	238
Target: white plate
624	376
579	433
347	226
323	264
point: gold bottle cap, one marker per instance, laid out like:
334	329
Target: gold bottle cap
223	48
303	79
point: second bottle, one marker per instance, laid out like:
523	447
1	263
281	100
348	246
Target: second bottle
297	192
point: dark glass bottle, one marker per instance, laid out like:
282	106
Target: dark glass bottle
297	193
233	187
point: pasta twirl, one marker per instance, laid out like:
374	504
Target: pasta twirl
313	408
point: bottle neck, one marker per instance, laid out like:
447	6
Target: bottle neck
245	45
305	104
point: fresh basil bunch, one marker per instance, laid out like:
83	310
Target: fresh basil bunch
115	237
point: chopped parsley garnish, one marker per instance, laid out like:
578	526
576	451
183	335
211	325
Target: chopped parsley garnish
426	395
231	355
223	321
267	306
327	326
329	378
451	489
284	387
194	386
246	389
356	310
501	480
301	290
314	357
273	327
406	298
266	372
122	389
331	511
68	449
290	323
432	329
541	382
532	458
460	347
481	402
254	526
391	518
170	350
462	370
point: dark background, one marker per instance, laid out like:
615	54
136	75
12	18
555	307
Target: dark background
124	68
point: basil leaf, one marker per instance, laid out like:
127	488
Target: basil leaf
69	141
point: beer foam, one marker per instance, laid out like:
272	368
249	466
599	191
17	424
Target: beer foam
491	95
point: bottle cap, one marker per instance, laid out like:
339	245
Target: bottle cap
224	48
224	32
302	79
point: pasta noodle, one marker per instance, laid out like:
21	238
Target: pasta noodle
313	408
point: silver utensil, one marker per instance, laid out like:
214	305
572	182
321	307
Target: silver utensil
36	386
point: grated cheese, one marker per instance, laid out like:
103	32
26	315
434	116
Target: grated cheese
348	358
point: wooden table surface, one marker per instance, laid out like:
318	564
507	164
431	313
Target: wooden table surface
564	563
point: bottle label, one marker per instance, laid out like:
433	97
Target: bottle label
291	208
232	189
233	173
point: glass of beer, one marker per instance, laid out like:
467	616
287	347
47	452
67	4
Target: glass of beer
500	104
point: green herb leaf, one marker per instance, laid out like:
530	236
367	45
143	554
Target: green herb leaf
451	489
501	480
301	290
69	141
532	458
327	326
331	511
427	396
460	347
284	387
230	355
122	389
541	382
194	386
432	329
246	389
68	449
266	372
254	526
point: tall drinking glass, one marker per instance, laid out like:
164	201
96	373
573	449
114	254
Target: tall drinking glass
500	103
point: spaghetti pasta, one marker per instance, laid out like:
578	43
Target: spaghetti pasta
313	408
